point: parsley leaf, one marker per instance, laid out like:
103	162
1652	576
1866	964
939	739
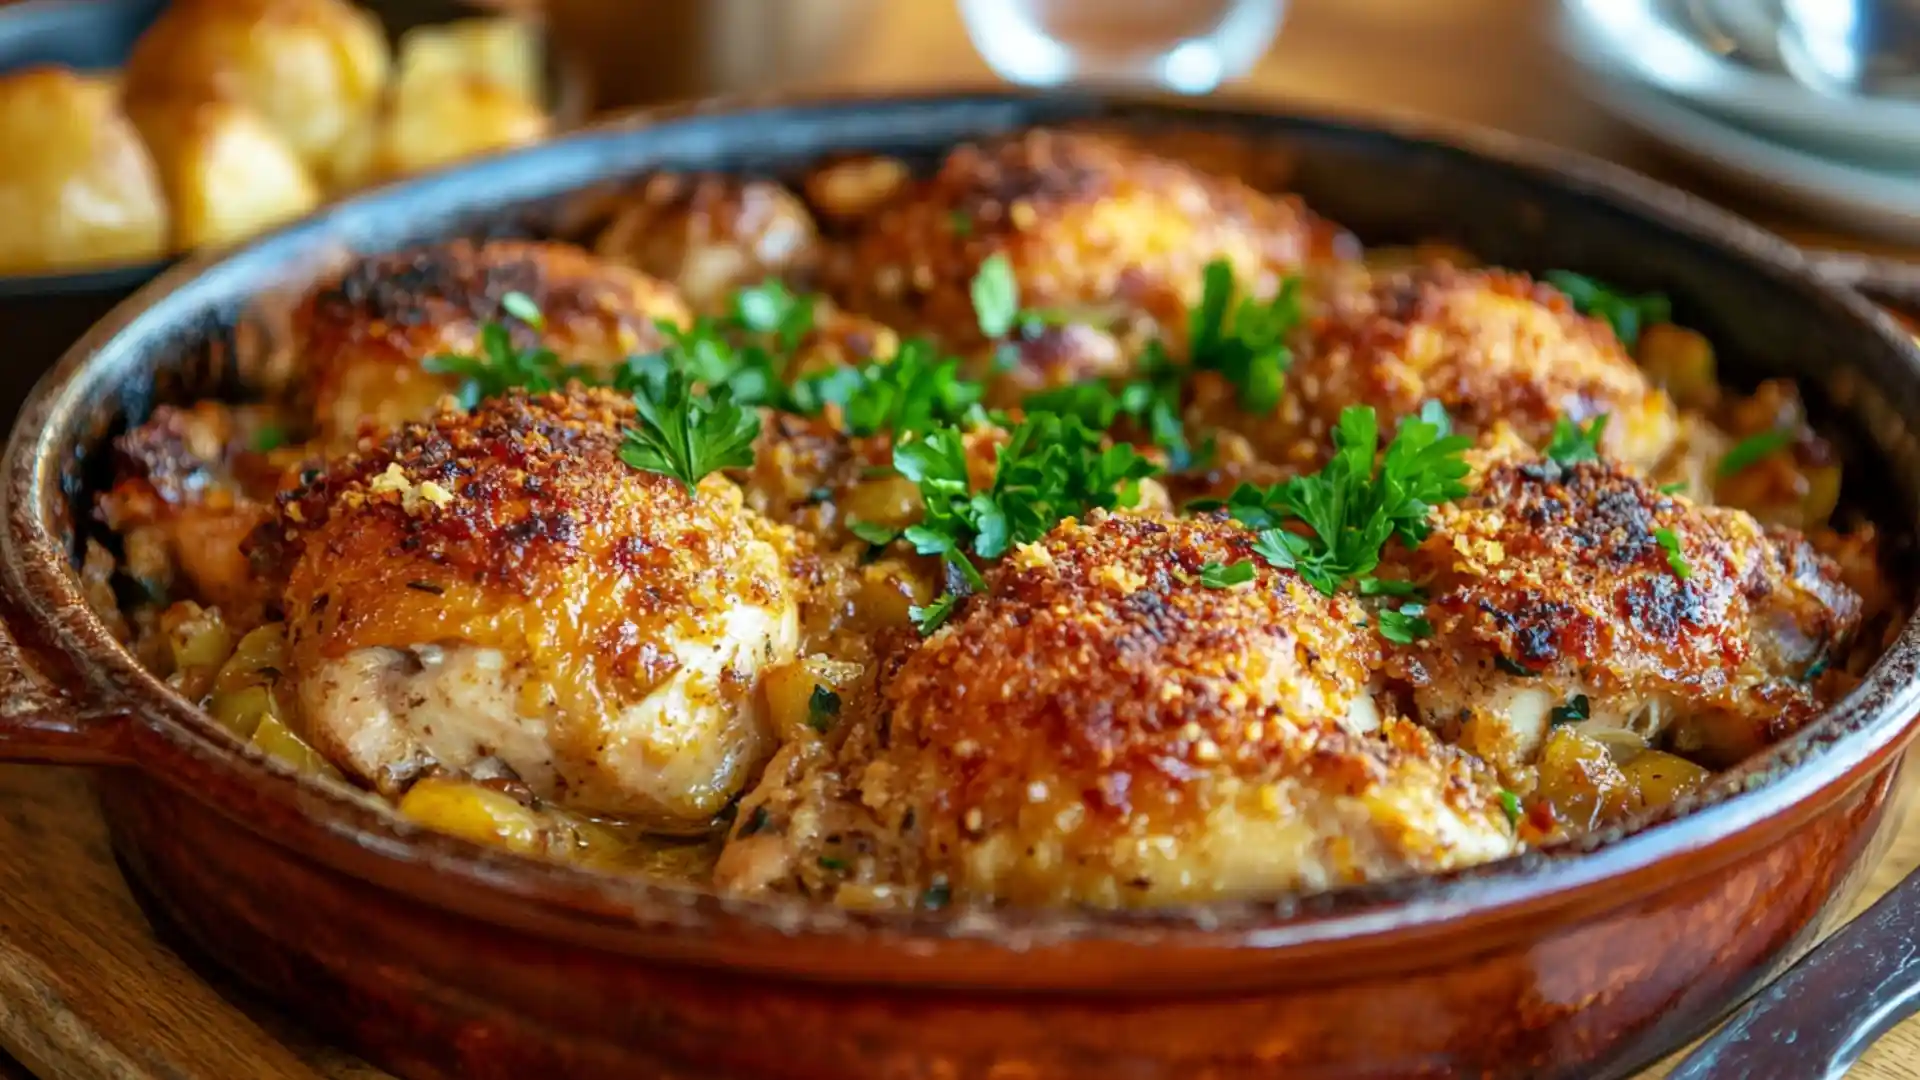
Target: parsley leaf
996	296
1150	401
1222	576
1051	467
933	616
1676	559
268	438
1244	338
1373	586
913	392
1510	805
877	535
1572	443
1352	507
769	308
1675	488
684	433
1579	708
823	708
1405	626
959	223
521	306
1627	314
1754	448
501	366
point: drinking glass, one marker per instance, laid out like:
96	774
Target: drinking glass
1190	46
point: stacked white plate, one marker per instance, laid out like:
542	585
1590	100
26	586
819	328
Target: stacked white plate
1852	160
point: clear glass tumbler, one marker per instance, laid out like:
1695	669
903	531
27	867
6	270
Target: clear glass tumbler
1190	46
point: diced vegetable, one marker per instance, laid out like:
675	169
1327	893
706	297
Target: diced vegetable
278	740
475	813
1580	780
1657	778
1680	361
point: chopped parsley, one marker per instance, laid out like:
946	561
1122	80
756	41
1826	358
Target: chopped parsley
1676	559
960	223
1373	586
832	864
1574	711
1675	488
996	296
1513	667
268	438
1150	401
1244	338
1226	575
521	306
1753	449
1406	625
501	366
1051	467
933	616
877	535
1510	805
1817	668
1627	314
938	895
683	432
769	308
911	393
823	708
1572	443
1353	506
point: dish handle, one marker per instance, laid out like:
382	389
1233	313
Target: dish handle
45	715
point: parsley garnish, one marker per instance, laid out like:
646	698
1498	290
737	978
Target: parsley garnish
938	895
768	308
684	433
1627	314
1405	626
1572	712
500	367
960	223
1244	339
521	306
996	296
907	395
1676	559
877	535
1512	667
1352	507
1572	443
1226	575
1151	401
933	616
1674	488
1752	449
831	864
1051	467
823	708
1510	805
268	438
1373	586
1817	668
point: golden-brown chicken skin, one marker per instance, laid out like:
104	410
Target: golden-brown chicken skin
709	235
1101	728
1088	225
365	334
1676	622
1489	345
499	593
190	484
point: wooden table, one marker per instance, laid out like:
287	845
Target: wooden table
86	993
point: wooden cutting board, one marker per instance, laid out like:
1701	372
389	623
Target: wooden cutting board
87	992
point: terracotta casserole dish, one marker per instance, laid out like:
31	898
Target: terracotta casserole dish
437	958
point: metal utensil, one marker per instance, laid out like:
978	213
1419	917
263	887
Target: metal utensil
1852	48
1818	1018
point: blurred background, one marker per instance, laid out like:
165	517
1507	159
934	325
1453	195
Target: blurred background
140	130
